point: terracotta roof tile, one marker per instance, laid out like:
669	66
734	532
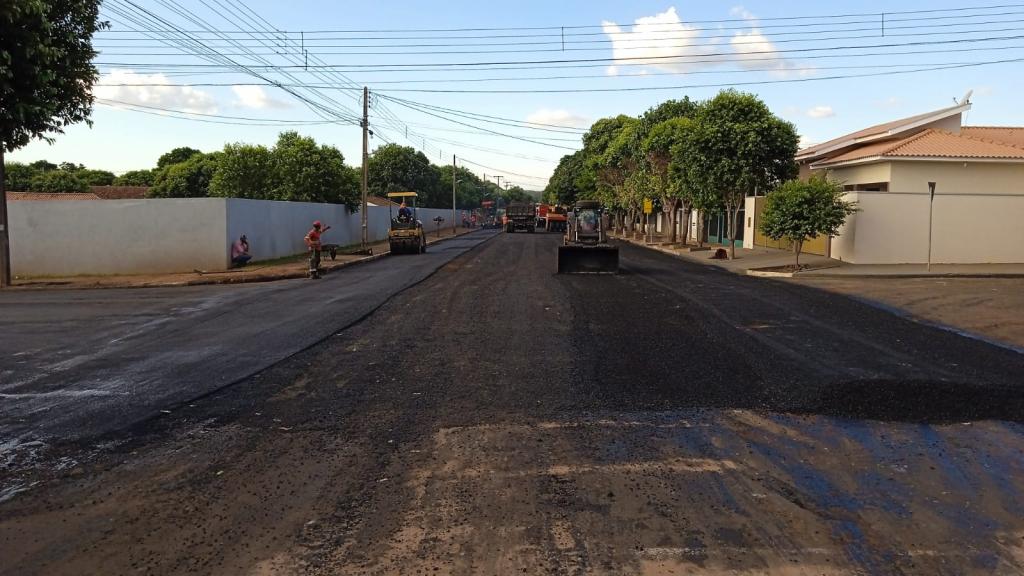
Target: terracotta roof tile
51	196
932	144
1012	135
120	192
876	130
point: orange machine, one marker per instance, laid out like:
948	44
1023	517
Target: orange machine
556	219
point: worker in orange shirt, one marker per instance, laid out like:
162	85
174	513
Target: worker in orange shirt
313	244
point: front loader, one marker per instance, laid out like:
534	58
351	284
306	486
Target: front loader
585	249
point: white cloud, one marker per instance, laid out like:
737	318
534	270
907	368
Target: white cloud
754	51
144	90
255	97
806	142
559	118
664	41
656	41
821	112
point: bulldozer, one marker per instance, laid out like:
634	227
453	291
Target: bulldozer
406	235
585	248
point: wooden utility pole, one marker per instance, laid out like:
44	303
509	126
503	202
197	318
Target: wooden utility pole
5	238
366	145
454	181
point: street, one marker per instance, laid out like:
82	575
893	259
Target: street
470	412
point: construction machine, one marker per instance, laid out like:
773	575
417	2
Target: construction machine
585	249
556	219
520	216
406	235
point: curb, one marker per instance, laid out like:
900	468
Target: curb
227	279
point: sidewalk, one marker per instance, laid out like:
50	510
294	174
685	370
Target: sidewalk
749	261
279	269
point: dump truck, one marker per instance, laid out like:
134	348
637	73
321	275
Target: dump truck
520	216
585	248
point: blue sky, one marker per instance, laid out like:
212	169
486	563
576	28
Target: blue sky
121	139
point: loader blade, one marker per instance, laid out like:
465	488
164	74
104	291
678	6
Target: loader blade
588	259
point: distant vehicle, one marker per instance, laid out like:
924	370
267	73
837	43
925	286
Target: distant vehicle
406	235
489	217
585	248
520	216
542	215
556	219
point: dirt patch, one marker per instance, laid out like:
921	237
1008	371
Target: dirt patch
990	307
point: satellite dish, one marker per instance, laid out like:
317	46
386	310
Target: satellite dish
967	98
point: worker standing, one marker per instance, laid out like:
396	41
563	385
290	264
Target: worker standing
313	244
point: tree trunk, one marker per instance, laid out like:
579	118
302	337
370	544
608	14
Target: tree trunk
5	239
798	246
687	213
734	214
674	222
630	221
700	228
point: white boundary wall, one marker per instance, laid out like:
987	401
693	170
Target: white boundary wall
63	238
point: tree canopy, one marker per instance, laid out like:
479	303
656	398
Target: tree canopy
799	210
46	70
176	156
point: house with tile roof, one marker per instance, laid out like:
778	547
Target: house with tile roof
976	214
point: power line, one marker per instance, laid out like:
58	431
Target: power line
564	77
643	25
555	45
715	85
648	60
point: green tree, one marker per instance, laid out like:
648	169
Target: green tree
135	178
244	171
188	179
18	176
738	148
176	156
600	180
571	179
516	194
799	210
96	177
59	181
306	172
657	147
394	168
46	70
43	165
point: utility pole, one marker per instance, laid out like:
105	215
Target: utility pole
499	180
931	204
5	239
366	145
454	181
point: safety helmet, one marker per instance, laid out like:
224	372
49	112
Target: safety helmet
316	224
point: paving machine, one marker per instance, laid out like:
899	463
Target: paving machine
585	249
406	235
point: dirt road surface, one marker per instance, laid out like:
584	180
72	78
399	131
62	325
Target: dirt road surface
499	419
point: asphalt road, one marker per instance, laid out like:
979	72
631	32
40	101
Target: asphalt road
497	419
79	364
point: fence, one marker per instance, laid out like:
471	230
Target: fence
62	238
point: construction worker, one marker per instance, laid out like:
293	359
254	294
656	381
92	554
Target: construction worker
404	213
313	244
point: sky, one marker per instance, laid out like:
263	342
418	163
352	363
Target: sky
786	53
